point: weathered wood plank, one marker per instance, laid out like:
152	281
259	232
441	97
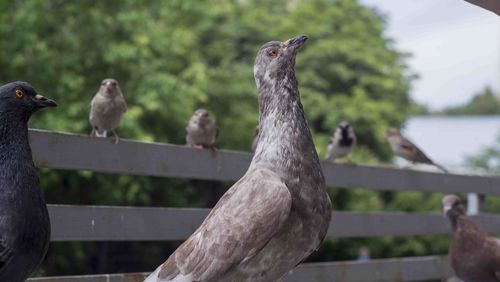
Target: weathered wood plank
400	269
76	152
123	277
102	223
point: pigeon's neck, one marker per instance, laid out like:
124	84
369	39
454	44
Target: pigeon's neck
285	141
14	144
462	223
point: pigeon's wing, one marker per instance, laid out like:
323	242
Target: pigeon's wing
5	254
92	108
495	246
240	225
124	104
419	156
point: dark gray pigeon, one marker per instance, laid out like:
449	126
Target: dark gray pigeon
474	255
106	109
278	213
24	220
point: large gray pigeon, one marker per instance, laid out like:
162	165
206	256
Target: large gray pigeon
24	219
106	109
278	213
474	255
405	149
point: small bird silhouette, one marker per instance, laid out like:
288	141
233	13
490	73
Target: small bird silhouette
342	142
202	130
474	255
24	224
106	109
405	149
278	213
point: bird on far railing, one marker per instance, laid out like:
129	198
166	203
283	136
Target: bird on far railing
342	142
24	219
473	254
202	130
255	139
107	109
278	213
405	149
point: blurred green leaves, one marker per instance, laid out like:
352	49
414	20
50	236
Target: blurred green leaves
172	57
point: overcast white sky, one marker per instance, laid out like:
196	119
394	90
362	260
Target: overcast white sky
455	47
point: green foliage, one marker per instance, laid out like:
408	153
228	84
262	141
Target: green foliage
172	57
417	109
483	103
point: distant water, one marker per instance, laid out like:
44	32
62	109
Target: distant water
449	140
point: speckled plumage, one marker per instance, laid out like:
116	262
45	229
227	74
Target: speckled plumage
201	130
342	142
107	109
474	255
278	213
24	219
405	149
255	140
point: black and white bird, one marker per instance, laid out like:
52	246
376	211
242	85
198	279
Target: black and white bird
24	219
405	149
342	142
278	213
474	255
107	109
202	130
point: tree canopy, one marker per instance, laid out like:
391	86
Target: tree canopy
483	103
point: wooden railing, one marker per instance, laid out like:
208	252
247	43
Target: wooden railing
107	223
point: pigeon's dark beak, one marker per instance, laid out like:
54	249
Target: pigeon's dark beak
295	43
43	102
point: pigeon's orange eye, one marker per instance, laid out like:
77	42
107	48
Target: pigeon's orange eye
273	53
19	94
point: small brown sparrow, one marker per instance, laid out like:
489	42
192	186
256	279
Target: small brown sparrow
405	149
106	109
202	130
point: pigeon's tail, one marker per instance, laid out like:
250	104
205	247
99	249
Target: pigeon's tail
440	167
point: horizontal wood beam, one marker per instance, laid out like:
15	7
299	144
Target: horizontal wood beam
77	152
398	269
103	223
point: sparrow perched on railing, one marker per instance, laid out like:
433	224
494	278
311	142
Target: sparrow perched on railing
405	149
24	219
202	130
106	109
474	255
342	142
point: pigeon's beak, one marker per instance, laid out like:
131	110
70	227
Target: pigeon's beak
295	43
43	102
